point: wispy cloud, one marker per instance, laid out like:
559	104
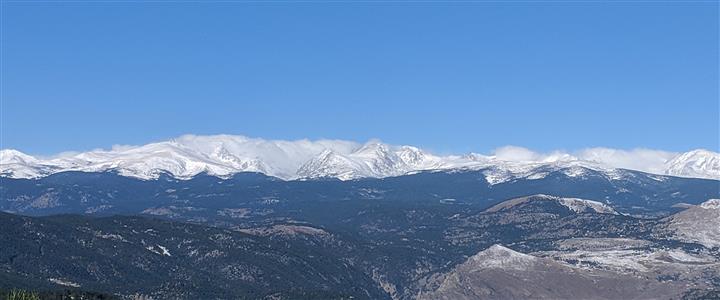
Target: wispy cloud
647	160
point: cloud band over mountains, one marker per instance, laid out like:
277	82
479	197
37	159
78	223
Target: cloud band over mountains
188	155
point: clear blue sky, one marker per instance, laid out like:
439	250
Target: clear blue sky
449	77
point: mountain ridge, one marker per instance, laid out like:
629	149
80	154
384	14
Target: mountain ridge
224	155
575	205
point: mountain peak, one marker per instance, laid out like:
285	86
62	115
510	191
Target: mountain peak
373	147
414	157
12	156
501	257
330	164
700	163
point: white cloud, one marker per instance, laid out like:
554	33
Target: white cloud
646	160
515	153
63	154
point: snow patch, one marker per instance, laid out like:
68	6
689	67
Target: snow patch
581	205
162	250
574	204
63	282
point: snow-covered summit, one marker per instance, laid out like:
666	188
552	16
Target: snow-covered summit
224	155
331	164
12	156
697	163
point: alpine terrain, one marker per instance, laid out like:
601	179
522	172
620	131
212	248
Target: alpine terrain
231	217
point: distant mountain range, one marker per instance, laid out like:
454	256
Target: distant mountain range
230	217
224	155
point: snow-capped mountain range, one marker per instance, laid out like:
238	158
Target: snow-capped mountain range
224	155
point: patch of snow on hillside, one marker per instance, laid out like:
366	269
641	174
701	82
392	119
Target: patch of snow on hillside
581	205
64	282
164	250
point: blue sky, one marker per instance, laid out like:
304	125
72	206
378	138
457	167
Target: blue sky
449	77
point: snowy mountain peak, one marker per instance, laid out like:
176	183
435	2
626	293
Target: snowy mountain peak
373	148
12	156
412	156
417	159
330	164
697	163
247	165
